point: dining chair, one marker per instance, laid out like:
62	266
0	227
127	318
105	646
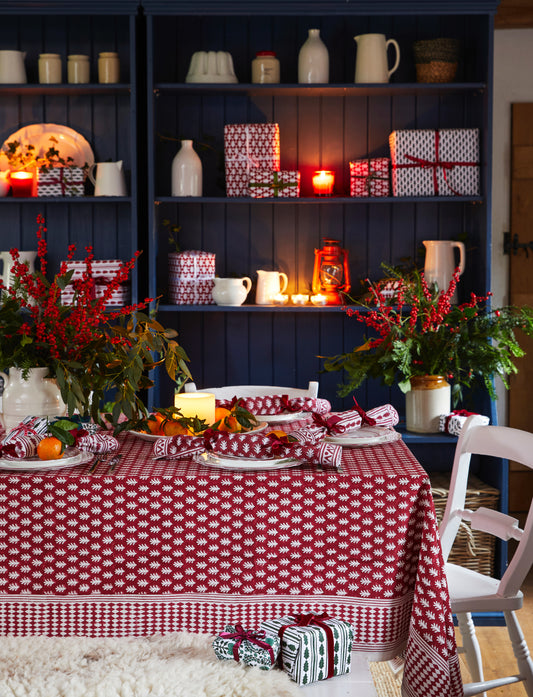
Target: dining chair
471	591
227	392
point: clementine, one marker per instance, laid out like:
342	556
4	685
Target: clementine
172	427
50	448
279	434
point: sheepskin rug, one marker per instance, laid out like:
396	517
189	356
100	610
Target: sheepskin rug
173	665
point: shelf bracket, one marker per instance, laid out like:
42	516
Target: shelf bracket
512	245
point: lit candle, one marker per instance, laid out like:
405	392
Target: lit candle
21	184
280	299
323	183
318	299
299	299
197	404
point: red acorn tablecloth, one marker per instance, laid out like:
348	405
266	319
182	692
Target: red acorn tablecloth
172	545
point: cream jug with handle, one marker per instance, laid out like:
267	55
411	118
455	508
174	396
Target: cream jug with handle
7	265
109	179
440	263
33	395
231	291
269	284
12	69
372	63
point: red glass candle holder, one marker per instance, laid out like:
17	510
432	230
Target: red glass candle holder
323	182
21	184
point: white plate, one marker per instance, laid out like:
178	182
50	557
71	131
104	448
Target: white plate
282	418
244	463
366	436
72	457
154	436
70	142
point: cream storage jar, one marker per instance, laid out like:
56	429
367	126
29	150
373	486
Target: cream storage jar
78	69
108	67
265	68
49	68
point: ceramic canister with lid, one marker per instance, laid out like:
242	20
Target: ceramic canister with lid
49	68
78	69
265	68
108	67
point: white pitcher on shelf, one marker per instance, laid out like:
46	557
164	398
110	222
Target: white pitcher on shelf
440	263
12	68
372	63
231	291
269	284
109	179
27	258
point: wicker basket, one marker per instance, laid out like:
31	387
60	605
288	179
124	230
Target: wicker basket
472	549
436	59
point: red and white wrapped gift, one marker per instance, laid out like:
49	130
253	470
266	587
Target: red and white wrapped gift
453	422
192	292
370	177
248	146
61	181
278	404
428	162
120	296
267	183
191	264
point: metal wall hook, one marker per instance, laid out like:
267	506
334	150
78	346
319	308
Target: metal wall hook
512	245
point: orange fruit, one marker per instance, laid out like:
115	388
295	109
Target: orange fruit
221	413
230	425
50	449
154	423
172	427
279	434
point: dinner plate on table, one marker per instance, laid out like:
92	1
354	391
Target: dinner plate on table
244	464
365	437
282	418
154	436
69	143
72	457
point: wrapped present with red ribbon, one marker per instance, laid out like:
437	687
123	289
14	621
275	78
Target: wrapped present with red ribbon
254	648
453	422
428	162
313	646
249	146
257	446
61	181
266	183
191	292
278	404
192	264
22	441
370	177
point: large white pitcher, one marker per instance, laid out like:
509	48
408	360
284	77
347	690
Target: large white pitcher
269	284
441	263
231	291
36	395
109	179
372	63
12	69
7	265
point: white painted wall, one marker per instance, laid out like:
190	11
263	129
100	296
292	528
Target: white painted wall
513	82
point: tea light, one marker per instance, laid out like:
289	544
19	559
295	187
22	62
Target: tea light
318	299
299	299
196	404
280	299
21	184
323	181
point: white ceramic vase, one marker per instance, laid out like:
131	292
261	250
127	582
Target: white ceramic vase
186	171
313	60
36	395
428	398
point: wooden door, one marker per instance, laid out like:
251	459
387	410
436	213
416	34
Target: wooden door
521	293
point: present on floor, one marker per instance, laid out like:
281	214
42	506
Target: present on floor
428	162
191	277
61	181
249	146
370	177
313	646
254	648
266	183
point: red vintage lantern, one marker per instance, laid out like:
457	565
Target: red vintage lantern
331	275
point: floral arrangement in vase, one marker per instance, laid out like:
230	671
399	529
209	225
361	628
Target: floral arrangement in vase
96	355
417	331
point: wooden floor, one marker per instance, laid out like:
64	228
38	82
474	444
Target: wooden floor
496	649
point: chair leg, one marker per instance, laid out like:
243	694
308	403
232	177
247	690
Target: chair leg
521	651
471	647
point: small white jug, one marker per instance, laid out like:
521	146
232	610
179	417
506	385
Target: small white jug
7	264
269	284
440	263
109	180
12	69
372	64
231	291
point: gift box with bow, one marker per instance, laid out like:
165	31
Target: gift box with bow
313	646
192	292
254	648
249	146
61	181
441	162
266	183
192	264
370	177
453	422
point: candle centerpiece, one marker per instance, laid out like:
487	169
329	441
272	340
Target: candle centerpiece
21	184
323	182
199	405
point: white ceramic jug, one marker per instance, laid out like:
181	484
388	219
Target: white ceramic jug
440	262
269	284
12	69
7	265
36	395
231	291
372	64
109	180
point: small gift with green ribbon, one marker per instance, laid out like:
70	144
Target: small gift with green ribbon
314	646
266	183
254	648
370	177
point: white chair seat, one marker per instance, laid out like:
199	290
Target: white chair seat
471	591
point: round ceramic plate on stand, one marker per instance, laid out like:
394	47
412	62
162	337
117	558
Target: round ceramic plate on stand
67	141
